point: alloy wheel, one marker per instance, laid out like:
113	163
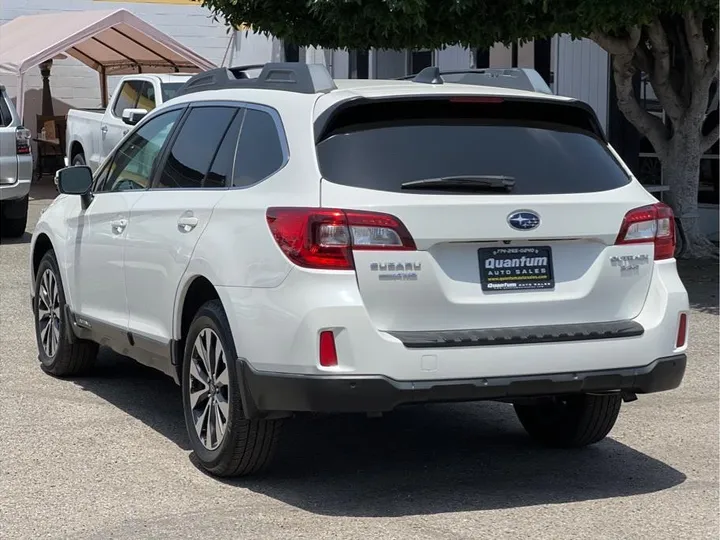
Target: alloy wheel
209	389
48	309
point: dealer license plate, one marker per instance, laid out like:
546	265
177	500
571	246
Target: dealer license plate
516	268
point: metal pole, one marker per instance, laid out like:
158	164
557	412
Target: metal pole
103	87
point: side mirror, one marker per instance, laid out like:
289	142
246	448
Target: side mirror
133	116
76	180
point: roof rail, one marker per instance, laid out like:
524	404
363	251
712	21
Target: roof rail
286	76
514	78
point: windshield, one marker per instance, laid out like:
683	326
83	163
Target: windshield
170	89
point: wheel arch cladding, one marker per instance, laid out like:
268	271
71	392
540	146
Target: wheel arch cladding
199	291
76	148
42	246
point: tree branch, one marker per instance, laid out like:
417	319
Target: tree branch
710	139
660	74
647	124
696	42
616	45
711	70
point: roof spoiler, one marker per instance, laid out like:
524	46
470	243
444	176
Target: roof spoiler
286	76
512	78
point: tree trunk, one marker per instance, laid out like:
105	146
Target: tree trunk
681	168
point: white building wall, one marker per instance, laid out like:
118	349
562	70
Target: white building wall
340	64
582	72
452	58
389	64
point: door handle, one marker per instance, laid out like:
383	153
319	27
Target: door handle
187	223
118	226
103	129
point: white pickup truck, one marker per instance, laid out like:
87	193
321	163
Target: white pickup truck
93	133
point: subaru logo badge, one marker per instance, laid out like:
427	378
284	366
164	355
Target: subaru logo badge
523	220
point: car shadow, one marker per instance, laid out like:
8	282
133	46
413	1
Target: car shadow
24	239
700	278
417	460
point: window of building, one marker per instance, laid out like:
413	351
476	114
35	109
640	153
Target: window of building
419	60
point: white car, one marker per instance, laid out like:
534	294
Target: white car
93	133
290	243
16	168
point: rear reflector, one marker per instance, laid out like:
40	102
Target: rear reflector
654	223
328	354
682	331
324	238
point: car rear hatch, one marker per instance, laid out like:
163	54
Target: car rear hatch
513	207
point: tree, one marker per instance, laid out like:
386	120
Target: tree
674	42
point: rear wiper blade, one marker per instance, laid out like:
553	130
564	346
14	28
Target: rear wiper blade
470	183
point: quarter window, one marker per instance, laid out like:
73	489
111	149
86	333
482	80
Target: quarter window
260	152
134	162
195	147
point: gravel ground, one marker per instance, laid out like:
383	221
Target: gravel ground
107	457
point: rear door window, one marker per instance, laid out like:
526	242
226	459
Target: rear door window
545	149
195	147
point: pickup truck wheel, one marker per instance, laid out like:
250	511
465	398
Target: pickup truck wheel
78	159
570	421
57	354
224	441
14	217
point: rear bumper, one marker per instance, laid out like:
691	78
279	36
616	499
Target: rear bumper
18	190
266	392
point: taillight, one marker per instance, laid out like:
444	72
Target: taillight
328	353
654	223
324	237
22	140
682	331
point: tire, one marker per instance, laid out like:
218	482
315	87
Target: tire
14	227
243	446
78	159
572	421
59	357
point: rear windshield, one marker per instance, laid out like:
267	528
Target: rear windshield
5	115
546	150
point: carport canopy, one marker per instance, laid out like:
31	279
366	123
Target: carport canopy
111	42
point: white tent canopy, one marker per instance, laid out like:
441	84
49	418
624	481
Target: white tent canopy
111	42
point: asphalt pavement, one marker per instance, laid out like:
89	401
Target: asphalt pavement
107	457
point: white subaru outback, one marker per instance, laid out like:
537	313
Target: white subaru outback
288	243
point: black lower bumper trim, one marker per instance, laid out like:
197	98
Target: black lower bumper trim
519	335
266	392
